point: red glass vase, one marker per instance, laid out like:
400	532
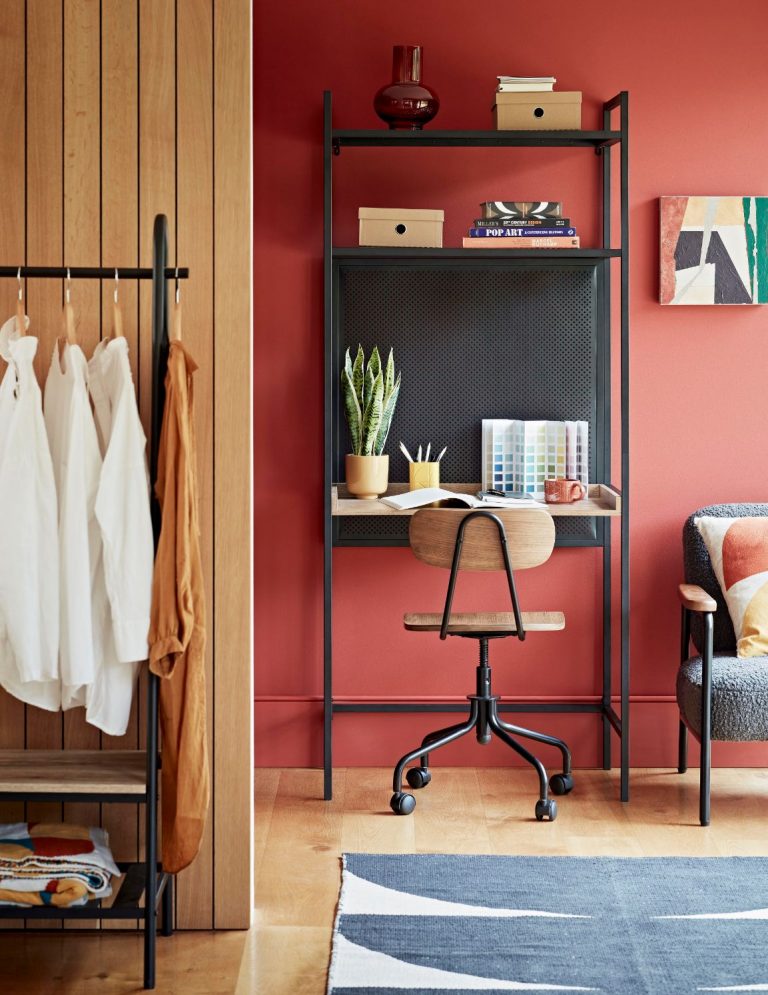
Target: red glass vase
406	104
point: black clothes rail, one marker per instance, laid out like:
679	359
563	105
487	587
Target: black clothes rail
92	272
145	878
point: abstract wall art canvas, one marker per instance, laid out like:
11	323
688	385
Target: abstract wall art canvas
714	250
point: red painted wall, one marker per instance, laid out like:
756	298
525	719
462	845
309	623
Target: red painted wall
697	76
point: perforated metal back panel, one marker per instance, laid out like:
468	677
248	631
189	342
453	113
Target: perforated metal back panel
511	339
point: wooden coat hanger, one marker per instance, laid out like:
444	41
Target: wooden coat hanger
117	314
68	317
21	318
175	330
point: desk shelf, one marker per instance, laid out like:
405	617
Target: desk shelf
530	139
490	332
601	501
457	254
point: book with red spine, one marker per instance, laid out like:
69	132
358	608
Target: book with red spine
550	242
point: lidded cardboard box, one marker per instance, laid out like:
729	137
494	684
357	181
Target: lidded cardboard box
401	226
558	110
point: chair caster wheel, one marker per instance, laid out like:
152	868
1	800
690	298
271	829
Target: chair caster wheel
561	784
418	777
402	803
546	809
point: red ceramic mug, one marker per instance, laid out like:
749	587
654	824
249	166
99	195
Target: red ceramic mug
562	491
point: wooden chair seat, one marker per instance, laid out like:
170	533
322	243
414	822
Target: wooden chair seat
484	622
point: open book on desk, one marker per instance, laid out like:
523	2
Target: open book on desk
429	495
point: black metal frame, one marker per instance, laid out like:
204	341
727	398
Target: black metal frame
145	878
705	737
601	142
456	566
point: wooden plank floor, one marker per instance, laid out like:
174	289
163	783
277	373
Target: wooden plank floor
299	839
464	810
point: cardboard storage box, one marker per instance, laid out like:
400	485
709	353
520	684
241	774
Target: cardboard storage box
553	111
398	226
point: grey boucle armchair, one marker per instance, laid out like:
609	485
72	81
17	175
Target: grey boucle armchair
720	696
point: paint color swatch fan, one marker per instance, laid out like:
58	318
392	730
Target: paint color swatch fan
518	456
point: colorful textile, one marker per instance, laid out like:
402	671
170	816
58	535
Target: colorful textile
54	864
738	549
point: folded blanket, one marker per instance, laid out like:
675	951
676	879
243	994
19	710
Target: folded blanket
54	864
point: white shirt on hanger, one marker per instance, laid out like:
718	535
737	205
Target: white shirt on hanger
122	502
29	558
91	674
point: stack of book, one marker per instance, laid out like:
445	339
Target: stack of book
522	225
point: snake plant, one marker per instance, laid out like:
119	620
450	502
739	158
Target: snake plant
370	394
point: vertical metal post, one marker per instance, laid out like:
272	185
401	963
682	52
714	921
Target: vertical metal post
328	451
159	358
706	720
606	524
150	845
624	111
682	744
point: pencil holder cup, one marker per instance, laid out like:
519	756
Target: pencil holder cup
423	475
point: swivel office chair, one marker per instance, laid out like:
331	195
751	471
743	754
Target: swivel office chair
483	540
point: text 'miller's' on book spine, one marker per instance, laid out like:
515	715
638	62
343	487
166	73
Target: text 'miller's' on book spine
521	208
521	232
572	242
522	222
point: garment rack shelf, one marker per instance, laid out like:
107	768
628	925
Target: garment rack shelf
126	902
109	775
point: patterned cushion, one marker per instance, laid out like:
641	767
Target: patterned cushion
738	550
739	697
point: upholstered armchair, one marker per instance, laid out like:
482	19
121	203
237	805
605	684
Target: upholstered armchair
720	696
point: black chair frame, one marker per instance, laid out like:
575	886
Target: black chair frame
705	739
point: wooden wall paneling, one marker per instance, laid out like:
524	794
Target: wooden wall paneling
157	193
157	159
12	246
102	88
45	208
82	244
194	892
120	247
233	808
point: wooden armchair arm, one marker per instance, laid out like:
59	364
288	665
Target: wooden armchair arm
696	598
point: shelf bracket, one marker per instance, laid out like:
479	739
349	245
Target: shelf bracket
336	146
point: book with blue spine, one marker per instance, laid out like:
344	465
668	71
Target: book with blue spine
521	232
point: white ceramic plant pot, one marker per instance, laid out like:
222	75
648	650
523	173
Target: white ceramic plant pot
367	476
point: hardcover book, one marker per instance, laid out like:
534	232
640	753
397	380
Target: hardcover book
536	232
522	222
549	242
521	209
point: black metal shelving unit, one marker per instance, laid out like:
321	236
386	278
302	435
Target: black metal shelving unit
361	282
132	775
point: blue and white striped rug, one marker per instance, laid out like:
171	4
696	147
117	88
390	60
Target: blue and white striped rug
431	924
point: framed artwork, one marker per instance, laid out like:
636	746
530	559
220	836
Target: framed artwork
714	250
